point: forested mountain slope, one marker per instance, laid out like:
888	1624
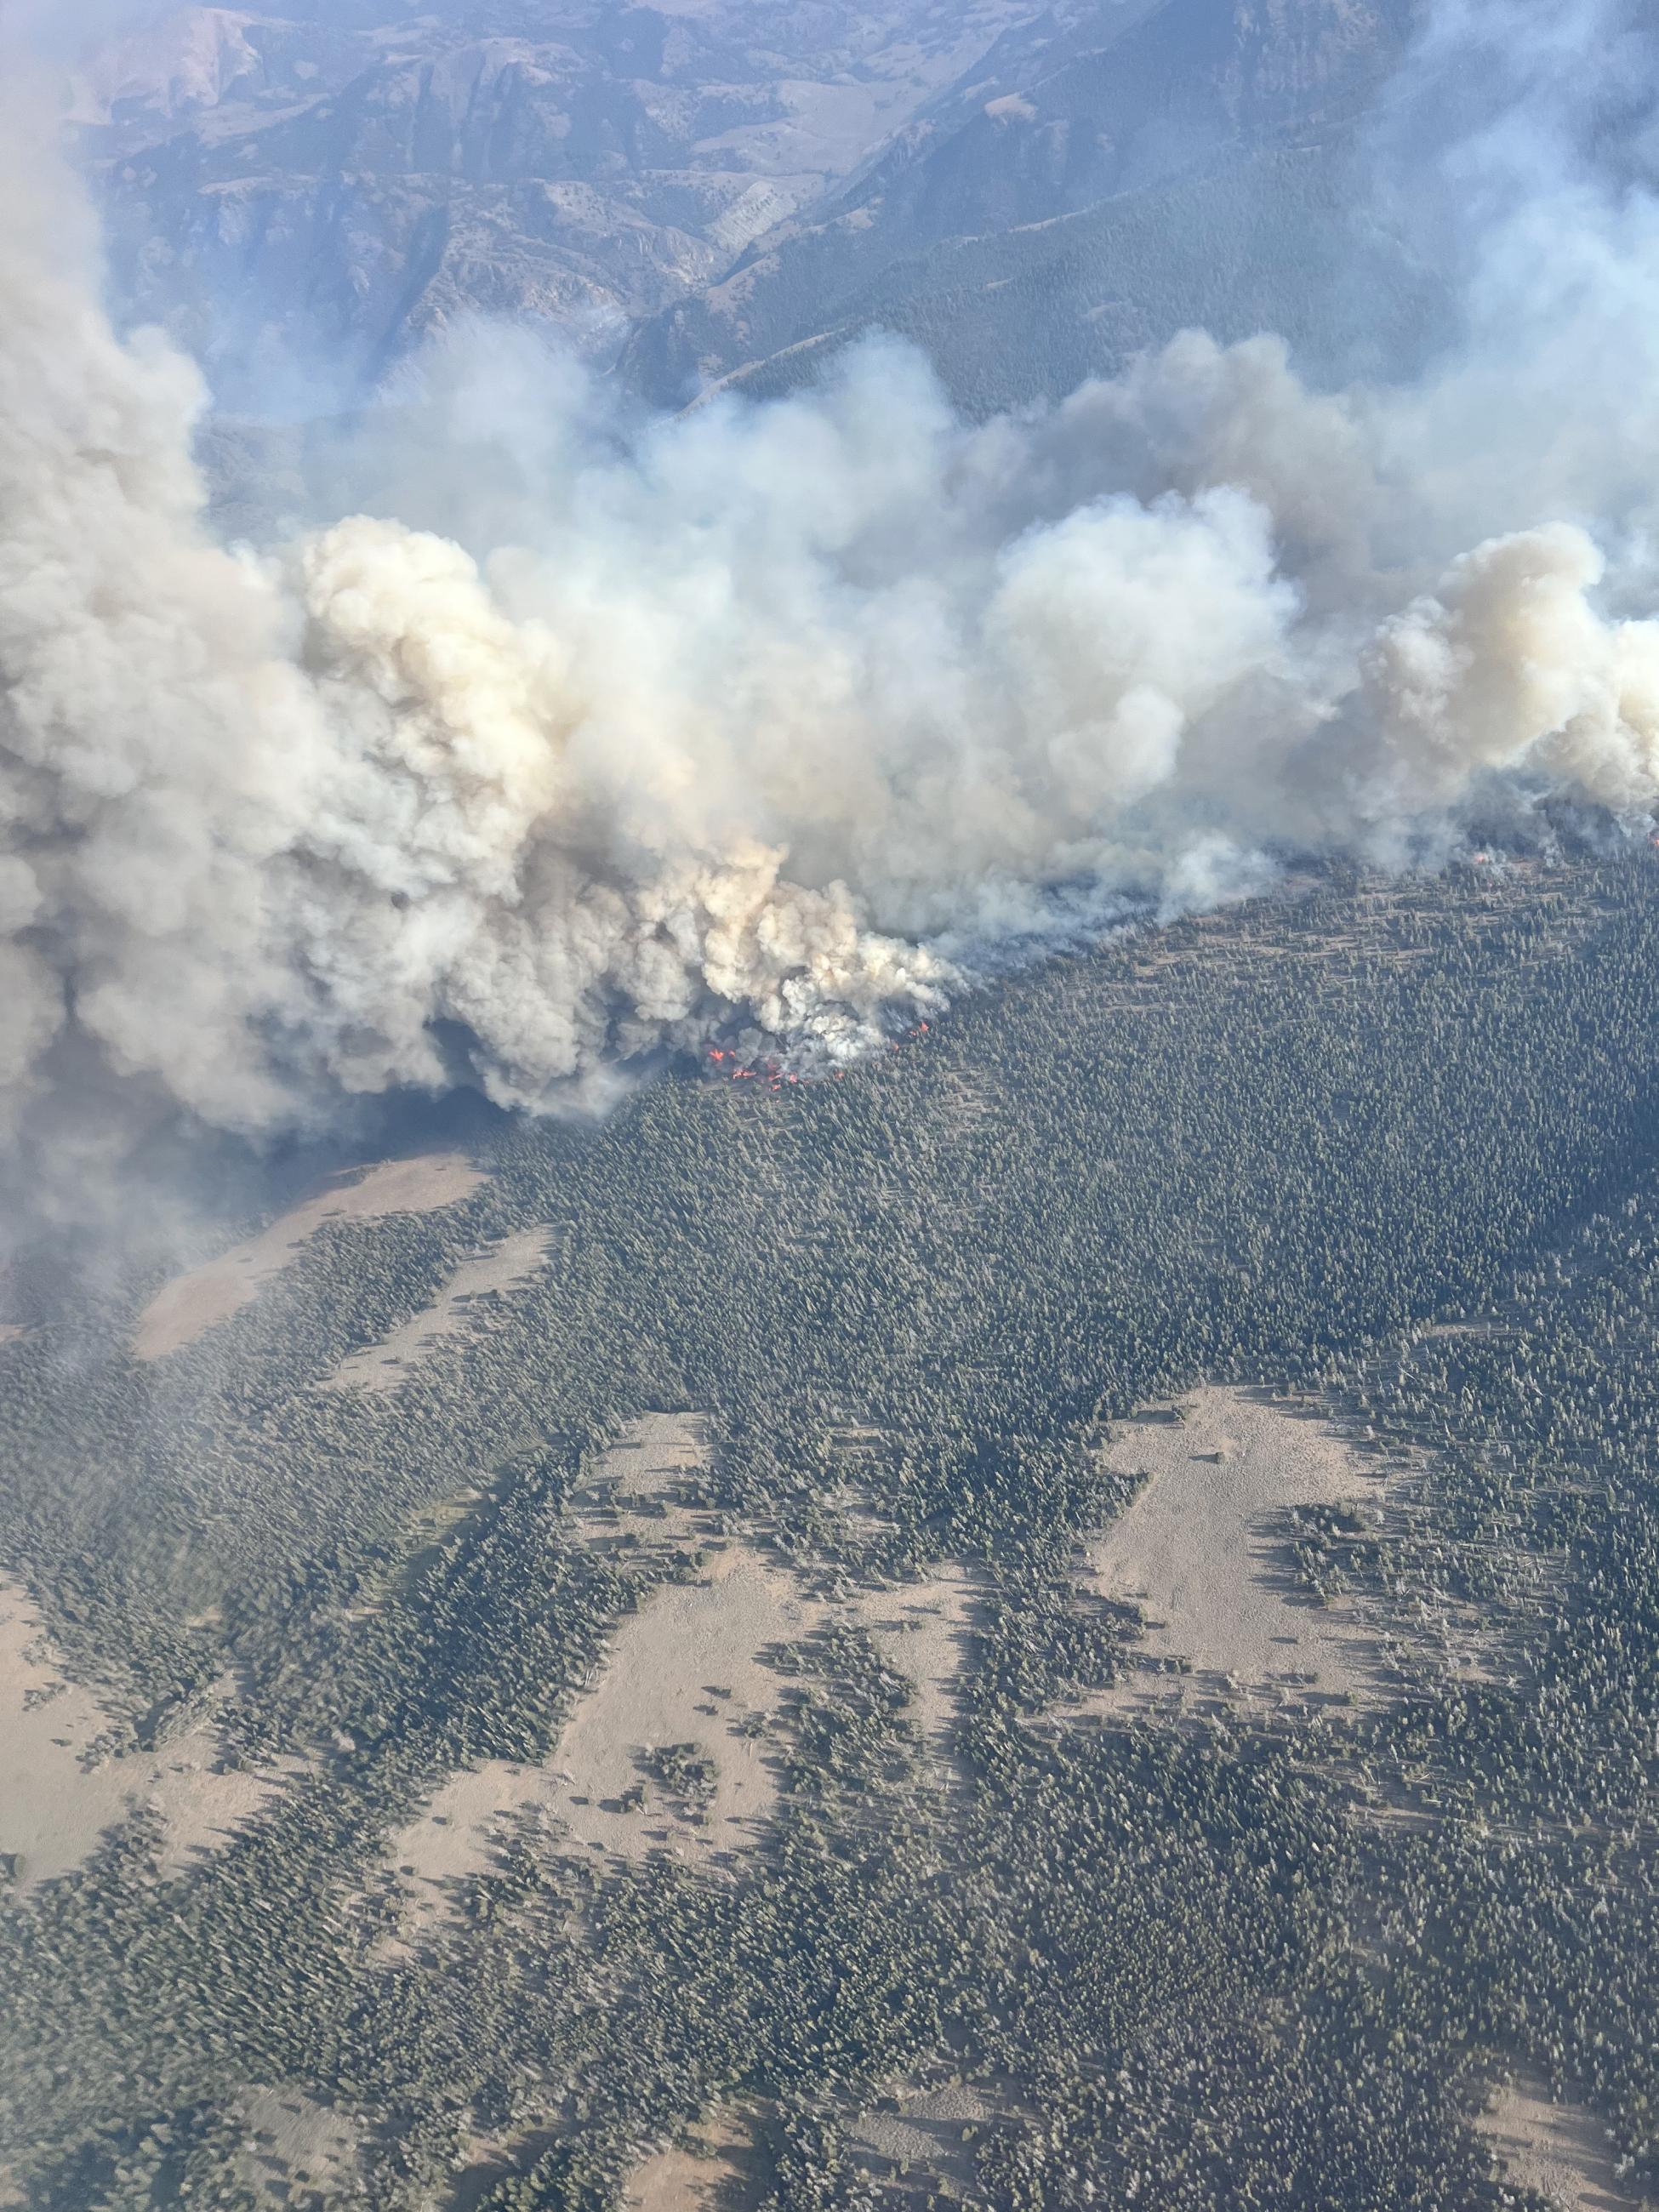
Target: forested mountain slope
300	192
1011	319
322	184
1380	1154
1236	102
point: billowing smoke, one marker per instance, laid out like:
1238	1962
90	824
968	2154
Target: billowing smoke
758	717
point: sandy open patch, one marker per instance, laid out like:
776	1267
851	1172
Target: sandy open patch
717	2175
682	2181
673	1746
918	2141
1203	1552
925	1630
53	1810
185	1309
686	1669
1559	2151
292	2148
660	1688
462	1305
715	2168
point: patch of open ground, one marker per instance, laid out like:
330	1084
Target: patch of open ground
688	1675
925	1629
463	1303
1558	2151
293	2147
184	1309
661	1687
687	1668
717	2173
920	2137
54	1808
716	2166
1203	1553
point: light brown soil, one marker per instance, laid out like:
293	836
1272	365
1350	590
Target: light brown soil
1201	1553
688	1668
499	1268
921	2140
679	2181
718	2178
292	2146
184	1309
924	1631
53	1810
1559	2151
656	1690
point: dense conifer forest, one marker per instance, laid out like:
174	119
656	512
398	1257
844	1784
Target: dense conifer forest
1384	1150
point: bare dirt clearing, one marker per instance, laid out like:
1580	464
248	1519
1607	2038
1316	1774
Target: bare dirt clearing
1202	1551
53	1810
920	2138
924	1631
292	2146
666	1664
1558	2151
718	2174
493	1273
690	1672
184	1309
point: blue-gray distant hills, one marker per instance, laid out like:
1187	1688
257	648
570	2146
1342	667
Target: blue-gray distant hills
1084	192
725	191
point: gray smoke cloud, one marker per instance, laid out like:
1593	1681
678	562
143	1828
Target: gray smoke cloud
760	715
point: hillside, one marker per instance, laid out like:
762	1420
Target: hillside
1012	318
1067	1618
829	1318
301	193
307	188
1194	158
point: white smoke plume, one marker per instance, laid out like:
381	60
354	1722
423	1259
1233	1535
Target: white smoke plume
758	715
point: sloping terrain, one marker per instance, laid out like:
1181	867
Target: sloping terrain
298	191
679	1744
1012	318
1011	229
1363	1176
186	1307
1204	1554
465	1301
727	188
65	1780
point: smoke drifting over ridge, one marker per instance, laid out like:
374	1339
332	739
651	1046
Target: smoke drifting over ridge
763	715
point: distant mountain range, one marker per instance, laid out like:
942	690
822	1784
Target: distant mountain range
1074	198
725	189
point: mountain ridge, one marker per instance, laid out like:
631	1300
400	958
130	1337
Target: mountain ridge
301	196
328	193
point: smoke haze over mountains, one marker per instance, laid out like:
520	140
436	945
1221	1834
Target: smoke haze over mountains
594	734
